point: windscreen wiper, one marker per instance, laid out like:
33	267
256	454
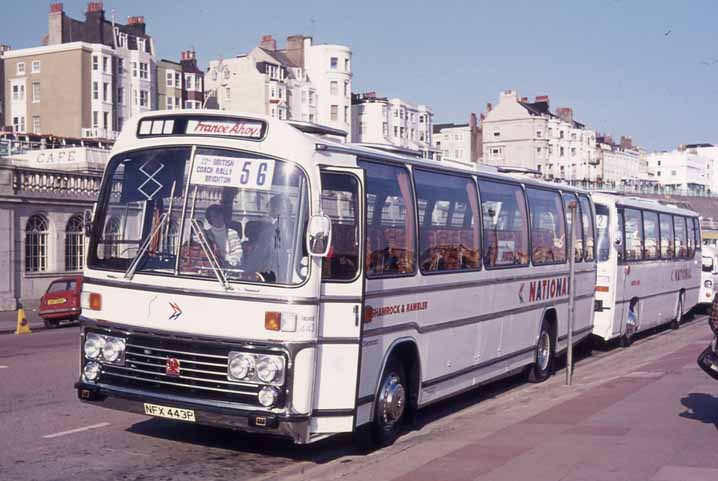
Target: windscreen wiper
206	248
130	273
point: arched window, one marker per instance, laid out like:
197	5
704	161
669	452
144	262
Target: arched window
74	244
36	244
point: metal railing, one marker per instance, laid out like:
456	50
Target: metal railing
39	182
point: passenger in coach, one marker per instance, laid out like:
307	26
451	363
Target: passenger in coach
227	239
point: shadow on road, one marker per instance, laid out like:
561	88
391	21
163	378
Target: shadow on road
701	407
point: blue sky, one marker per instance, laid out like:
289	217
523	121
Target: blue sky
648	69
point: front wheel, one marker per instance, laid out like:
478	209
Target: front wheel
390	405
543	360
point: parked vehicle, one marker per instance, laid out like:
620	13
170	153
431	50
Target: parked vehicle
709	275
61	301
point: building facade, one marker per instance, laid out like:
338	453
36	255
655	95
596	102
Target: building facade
688	167
85	81
303	81
180	84
524	134
392	122
458	143
620	163
44	194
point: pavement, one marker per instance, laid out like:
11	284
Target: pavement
645	413
8	319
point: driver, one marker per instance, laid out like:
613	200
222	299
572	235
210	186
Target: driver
227	239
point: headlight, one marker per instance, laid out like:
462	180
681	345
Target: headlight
268	368
109	349
267	396
708	284
91	371
93	345
114	349
240	366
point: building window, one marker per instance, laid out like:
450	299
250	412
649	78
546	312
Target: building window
560	134
18	91
384	129
189	82
105	120
170	102
497	133
120	95
95	119
35	66
396	131
334	113
538	134
120	66
35	92
21	68
18	124
74	244
346	89
36	234
170	78
178	81
333	87
346	114
228	93
104	64
134	69
95	63
333	62
560	151
95	91
105	90
120	123
36	124
144	71
144	98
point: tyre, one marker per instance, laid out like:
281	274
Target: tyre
542	367
631	325
676	322
391	404
50	323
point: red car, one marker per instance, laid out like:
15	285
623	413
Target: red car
61	301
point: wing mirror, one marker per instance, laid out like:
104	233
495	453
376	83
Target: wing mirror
319	235
87	222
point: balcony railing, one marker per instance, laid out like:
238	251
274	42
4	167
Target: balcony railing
45	183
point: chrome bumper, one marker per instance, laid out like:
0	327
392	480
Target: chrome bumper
295	427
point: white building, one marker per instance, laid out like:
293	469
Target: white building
520	133
392	122
458	143
620	163
303	81
689	167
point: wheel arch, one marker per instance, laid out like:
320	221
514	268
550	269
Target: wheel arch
407	350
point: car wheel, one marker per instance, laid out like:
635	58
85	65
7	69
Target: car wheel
51	323
390	405
542	367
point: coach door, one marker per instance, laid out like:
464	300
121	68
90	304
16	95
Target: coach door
341	302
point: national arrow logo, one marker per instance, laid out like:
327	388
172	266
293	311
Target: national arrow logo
176	311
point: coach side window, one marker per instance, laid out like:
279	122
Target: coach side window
506	240
567	198
621	250
390	221
691	238
681	245
340	203
651	229
697	232
589	253
634	234
448	222
667	238
548	227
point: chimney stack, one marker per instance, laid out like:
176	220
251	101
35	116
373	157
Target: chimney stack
55	21
56	7
295	49
94	7
626	142
136	20
268	43
542	98
187	55
565	114
489	107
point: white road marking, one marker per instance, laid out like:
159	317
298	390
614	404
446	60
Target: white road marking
644	374
3	367
73	431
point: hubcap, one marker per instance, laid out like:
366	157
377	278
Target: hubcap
544	350
392	400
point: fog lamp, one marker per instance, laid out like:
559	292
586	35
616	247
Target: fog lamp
91	371
267	396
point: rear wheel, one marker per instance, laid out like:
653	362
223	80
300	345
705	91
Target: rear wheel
631	324
390	405
543	359
51	323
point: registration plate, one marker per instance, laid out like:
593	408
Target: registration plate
168	412
60	300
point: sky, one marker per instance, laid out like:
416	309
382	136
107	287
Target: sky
647	69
